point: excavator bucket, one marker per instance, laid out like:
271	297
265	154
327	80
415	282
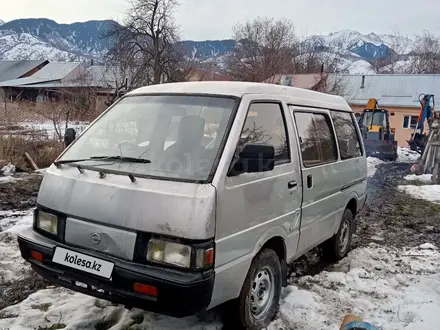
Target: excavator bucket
382	149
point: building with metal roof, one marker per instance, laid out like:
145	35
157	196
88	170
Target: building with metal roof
52	72
10	70
391	90
398	93
57	75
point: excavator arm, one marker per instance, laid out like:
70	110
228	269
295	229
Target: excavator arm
418	138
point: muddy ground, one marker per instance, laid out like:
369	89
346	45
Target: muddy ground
20	194
389	218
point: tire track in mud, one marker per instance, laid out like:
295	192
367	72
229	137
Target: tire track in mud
392	217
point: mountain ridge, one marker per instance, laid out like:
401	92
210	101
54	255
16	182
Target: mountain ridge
43	38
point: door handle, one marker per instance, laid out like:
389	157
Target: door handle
292	184
309	181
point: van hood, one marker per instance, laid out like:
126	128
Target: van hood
170	208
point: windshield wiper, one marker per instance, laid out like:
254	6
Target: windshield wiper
122	158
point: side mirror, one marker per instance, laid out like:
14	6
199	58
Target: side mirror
392	114
254	158
69	136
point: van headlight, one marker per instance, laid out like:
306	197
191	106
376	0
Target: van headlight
169	253
47	222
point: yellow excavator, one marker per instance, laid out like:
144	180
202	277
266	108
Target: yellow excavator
378	136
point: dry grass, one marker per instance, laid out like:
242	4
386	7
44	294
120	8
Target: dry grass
42	151
21	130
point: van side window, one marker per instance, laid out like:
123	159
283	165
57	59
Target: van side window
265	124
348	138
318	143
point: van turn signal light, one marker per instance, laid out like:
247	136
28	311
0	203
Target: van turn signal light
209	257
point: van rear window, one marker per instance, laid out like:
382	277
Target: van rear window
348	138
317	141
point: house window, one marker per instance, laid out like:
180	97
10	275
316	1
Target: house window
410	122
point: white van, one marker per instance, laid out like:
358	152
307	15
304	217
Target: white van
181	197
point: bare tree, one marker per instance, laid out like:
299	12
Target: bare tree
263	49
425	54
146	40
307	58
393	63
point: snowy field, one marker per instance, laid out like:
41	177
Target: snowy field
391	288
49	128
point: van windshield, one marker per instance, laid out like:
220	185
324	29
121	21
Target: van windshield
180	136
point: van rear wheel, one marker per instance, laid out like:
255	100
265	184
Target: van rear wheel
337	247
259	299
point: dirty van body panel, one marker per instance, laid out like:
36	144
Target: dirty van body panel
323	202
354	184
252	208
152	206
114	241
322	205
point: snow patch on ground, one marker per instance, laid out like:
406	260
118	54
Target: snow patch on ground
425	178
7	179
12	266
8	170
390	288
428	192
406	155
77	311
14	223
6	174
372	164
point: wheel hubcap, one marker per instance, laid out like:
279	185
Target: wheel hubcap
262	293
345	235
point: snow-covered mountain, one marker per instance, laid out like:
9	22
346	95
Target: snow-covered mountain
45	39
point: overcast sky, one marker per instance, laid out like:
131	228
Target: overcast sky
213	19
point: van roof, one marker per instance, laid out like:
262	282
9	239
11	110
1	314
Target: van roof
239	89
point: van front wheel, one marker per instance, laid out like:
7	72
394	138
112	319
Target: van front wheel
259	299
337	247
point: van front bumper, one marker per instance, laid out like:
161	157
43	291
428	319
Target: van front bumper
174	288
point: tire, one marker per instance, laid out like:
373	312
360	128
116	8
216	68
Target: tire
334	249
242	313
